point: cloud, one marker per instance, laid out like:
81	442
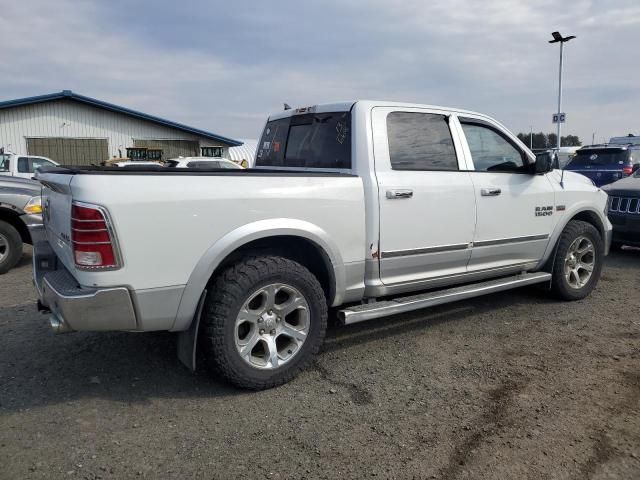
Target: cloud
223	66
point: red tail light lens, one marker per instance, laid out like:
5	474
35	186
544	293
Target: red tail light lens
93	245
627	170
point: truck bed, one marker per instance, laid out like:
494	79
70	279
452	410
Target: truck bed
167	219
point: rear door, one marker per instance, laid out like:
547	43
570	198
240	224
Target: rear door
515	208
427	204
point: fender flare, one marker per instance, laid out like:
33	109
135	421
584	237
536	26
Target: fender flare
560	226
243	235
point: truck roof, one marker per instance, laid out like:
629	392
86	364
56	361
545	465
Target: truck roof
348	105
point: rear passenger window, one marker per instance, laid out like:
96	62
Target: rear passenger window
420	141
23	165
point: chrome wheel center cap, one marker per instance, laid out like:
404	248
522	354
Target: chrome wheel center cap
268	321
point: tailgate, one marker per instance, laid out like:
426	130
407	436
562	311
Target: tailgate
56	214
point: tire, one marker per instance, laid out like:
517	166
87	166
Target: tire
244	291
10	247
577	285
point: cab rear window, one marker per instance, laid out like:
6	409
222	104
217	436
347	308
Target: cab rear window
314	140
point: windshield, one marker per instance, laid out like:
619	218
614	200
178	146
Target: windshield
599	158
320	140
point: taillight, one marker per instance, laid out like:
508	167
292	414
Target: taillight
93	245
628	170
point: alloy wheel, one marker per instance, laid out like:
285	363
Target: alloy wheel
579	262
271	326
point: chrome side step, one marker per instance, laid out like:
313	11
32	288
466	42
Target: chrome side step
360	313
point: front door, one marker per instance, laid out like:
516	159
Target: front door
515	207
426	199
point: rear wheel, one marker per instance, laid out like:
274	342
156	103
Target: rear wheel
10	247
265	318
578	261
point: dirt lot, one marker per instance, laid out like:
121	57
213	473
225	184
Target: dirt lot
513	385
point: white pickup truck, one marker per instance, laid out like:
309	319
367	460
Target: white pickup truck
23	166
372	208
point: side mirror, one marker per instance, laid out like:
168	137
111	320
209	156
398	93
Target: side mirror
545	162
635	168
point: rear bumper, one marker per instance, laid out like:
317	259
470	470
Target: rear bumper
73	306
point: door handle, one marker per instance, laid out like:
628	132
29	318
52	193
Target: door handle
490	192
401	193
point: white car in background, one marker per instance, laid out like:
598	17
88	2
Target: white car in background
22	166
201	162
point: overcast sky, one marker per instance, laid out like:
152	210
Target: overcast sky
223	66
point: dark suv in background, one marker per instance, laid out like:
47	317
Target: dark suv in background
605	164
624	210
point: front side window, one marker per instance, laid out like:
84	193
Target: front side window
314	140
420	141
491	152
23	165
39	162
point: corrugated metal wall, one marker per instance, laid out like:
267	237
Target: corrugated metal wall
171	148
70	151
71	119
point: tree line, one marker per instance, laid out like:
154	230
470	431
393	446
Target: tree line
549	140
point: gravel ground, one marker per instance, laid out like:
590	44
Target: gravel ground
512	385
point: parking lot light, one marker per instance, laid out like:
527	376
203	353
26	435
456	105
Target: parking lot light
557	38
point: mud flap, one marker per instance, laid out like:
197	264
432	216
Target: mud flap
188	339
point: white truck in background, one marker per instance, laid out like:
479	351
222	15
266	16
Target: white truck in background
372	208
22	166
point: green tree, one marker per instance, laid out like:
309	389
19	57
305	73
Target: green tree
571	141
549	140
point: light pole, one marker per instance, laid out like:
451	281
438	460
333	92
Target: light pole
557	38
530	137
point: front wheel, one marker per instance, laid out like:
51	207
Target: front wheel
10	247
265	318
578	261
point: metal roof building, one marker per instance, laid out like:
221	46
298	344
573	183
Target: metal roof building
74	129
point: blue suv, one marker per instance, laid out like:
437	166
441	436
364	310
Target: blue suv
605	164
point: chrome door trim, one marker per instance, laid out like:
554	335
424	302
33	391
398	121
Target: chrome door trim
461	246
502	241
422	251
